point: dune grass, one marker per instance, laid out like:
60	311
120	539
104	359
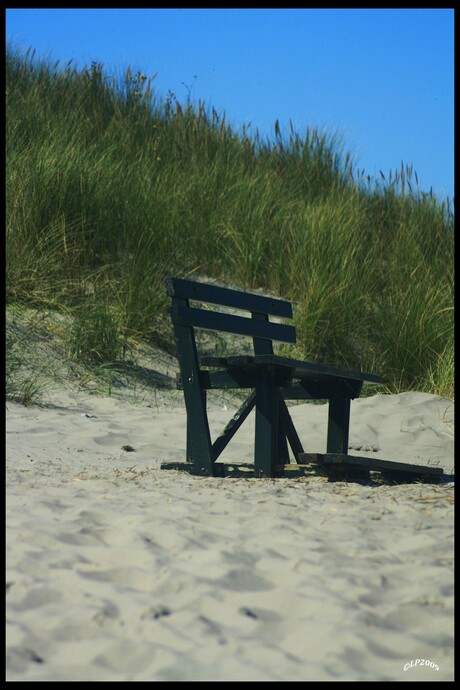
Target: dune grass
110	187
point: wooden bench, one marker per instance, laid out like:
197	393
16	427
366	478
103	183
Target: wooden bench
271	379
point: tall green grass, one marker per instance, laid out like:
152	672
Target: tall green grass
110	187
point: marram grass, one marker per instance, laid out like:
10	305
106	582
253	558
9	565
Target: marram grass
109	188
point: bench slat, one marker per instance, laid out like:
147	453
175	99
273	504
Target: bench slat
214	294
239	325
318	371
301	370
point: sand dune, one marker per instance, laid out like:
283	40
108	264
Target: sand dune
117	570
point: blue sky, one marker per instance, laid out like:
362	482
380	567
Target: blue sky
380	79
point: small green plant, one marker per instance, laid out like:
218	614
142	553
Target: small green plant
28	373
24	388
93	337
22	385
442	374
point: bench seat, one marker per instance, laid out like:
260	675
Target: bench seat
298	369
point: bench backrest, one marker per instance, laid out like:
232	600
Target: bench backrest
259	327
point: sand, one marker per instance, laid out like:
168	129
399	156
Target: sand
118	570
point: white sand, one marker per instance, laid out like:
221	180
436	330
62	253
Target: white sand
117	570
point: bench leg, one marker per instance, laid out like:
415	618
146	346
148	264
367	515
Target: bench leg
283	450
266	435
338	425
199	449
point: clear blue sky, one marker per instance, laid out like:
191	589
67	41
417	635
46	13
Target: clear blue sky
382	79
